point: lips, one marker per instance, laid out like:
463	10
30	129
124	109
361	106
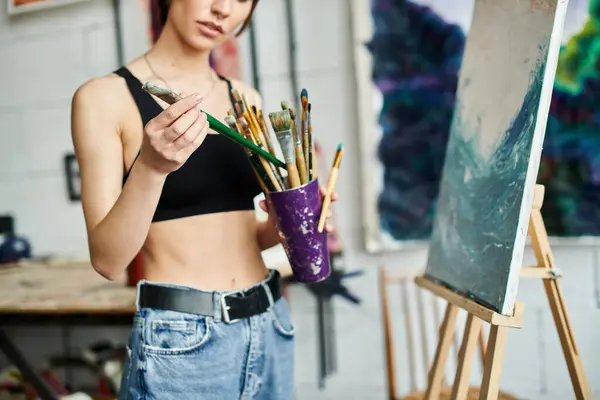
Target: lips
210	28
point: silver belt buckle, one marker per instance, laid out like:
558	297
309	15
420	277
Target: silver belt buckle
225	308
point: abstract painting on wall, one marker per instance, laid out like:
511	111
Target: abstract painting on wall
412	54
21	6
570	169
494	148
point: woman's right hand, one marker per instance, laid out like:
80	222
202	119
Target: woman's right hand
173	135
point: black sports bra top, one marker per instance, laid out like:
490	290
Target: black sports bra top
217	177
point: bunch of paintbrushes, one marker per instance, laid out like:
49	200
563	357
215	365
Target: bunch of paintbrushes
297	147
295	142
247	126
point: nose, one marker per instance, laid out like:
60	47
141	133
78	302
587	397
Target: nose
222	8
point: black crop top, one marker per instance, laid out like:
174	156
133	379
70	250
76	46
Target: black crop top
217	177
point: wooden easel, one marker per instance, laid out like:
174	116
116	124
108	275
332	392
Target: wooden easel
499	324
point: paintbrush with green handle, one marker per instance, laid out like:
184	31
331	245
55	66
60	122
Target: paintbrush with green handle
170	97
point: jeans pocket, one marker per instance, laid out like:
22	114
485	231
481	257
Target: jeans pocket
176	337
282	320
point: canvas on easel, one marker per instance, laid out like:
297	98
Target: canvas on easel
493	153
493	352
488	201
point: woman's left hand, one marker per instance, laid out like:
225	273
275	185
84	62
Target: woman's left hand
323	190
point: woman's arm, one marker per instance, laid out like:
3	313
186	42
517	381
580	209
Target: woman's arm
266	234
118	219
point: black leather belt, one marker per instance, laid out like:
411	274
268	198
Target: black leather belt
234	305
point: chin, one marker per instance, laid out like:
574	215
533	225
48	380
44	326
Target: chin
205	44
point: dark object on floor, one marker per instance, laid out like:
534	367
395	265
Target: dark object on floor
103	360
333	286
324	292
14	248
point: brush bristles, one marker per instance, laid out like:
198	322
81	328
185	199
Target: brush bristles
338	156
155	88
293	134
244	123
230	120
281	120
163	93
236	95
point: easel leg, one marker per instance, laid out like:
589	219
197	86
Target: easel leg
494	358
545	260
460	389
567	340
436	374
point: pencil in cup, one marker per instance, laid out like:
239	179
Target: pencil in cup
333	175
171	97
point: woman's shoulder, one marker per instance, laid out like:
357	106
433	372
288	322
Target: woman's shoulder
100	91
98	105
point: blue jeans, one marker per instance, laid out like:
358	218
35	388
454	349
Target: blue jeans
174	355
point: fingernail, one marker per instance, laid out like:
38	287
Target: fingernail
198	97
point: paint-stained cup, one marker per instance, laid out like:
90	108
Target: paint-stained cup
297	213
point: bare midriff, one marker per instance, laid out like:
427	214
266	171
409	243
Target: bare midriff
212	252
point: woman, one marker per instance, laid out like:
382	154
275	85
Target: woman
211	322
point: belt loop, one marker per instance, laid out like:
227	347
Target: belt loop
217	310
268	293
137	293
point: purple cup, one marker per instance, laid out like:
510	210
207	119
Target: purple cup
297	212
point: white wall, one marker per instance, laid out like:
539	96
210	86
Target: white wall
47	55
44	57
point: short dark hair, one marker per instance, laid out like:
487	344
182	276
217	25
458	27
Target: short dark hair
163	12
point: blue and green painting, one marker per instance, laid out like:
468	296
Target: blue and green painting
417	49
494	147
570	168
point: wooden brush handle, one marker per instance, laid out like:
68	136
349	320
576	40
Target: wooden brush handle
267	166
293	176
327	199
301	163
315	173
261	174
306	154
